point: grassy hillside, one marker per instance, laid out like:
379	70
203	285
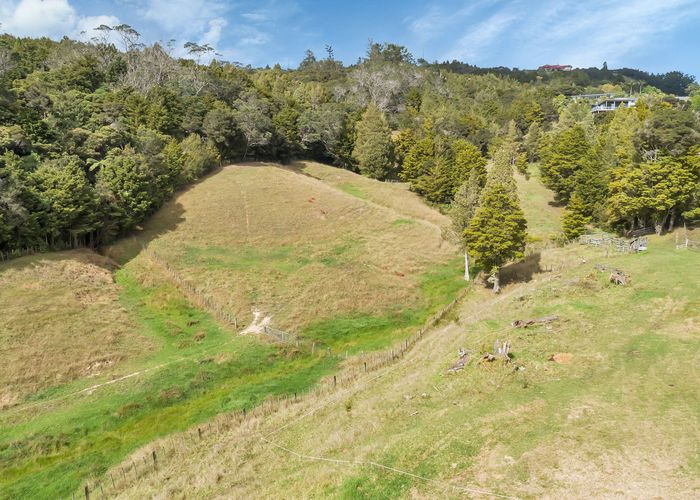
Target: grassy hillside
543	216
61	320
296	248
604	403
349	274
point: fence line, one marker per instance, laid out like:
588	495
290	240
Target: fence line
618	244
190	290
153	457
687	243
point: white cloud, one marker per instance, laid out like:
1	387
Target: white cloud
35	18
559	31
213	34
477	42
436	20
50	18
183	17
256	16
251	36
85	28
615	29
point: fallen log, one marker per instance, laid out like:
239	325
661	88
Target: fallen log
461	362
536	321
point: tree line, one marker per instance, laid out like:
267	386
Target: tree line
96	136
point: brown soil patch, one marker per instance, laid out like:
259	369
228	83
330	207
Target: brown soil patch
562	358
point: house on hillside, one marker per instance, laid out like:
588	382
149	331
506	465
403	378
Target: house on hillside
556	67
611	104
590	97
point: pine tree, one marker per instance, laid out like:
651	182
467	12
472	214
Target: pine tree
563	154
419	159
374	149
532	142
497	232
437	185
651	193
574	219
498	229
462	209
468	157
502	169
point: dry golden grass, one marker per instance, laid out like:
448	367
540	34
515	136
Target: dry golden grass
61	320
297	248
395	196
542	214
620	420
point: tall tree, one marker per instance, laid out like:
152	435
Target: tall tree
462	209
374	149
574	219
563	154
498	230
651	193
467	158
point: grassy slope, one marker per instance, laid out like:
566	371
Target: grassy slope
543	217
620	419
61	320
320	260
296	248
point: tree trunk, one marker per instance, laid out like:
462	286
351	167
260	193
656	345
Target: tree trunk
466	266
671	220
658	226
497	281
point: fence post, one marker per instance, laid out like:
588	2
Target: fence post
365	366
334	381
87	492
155	460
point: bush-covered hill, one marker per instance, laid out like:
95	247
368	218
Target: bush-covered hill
94	138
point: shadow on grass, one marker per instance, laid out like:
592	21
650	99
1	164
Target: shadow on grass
522	271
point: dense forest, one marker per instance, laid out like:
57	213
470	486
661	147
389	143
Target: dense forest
96	136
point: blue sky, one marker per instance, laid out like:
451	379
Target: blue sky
655	35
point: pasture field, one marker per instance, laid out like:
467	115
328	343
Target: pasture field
61	320
348	274
542	214
297	248
603	402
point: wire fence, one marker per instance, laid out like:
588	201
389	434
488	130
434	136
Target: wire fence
687	243
191	291
621	245
151	458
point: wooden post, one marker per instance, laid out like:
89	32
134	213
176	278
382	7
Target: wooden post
155	460
365	366
199	431
87	492
334	381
